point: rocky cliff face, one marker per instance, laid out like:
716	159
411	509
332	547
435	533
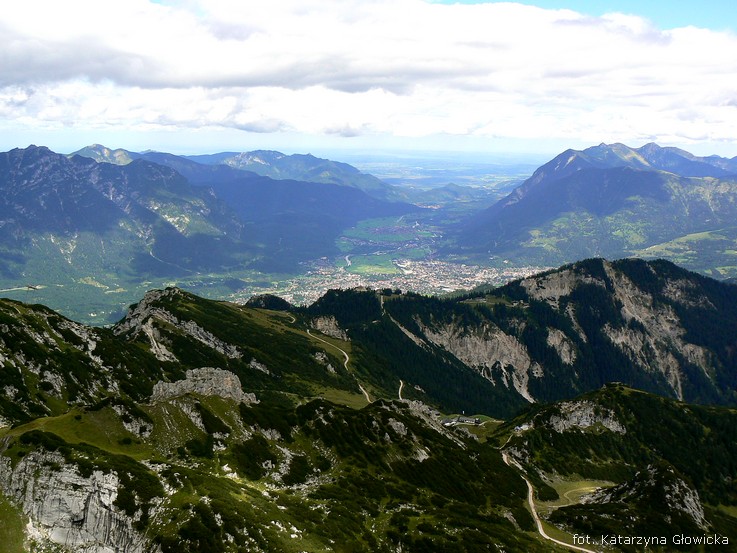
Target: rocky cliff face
68	509
662	337
644	313
554	335
499	357
329	326
553	286
563	345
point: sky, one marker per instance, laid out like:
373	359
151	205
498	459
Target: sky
201	76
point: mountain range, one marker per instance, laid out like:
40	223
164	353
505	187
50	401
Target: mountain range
267	163
95	236
615	201
68	220
586	405
74	224
360	422
288	219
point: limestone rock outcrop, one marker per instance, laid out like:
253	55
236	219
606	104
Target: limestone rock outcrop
66	508
205	381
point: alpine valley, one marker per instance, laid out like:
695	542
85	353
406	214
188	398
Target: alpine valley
91	232
590	407
89	235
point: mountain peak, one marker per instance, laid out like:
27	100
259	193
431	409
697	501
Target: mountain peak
587	203
23	158
103	154
33	149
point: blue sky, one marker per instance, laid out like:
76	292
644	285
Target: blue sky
313	76
711	14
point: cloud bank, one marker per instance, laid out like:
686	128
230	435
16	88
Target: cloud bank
404	68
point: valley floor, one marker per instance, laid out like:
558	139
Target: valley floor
427	277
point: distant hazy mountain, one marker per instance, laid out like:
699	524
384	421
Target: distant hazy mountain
613	200
101	153
686	164
276	165
195	172
298	220
303	167
291	218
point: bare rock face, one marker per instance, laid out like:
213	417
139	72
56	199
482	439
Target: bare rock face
143	310
552	287
665	335
68	509
328	325
495	354
677	493
140	321
576	415
206	381
323	359
653	336
563	345
254	364
683	497
158	346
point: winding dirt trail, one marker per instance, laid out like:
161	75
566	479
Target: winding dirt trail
365	393
531	501
345	364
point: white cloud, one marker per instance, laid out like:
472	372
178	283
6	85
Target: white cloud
400	67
